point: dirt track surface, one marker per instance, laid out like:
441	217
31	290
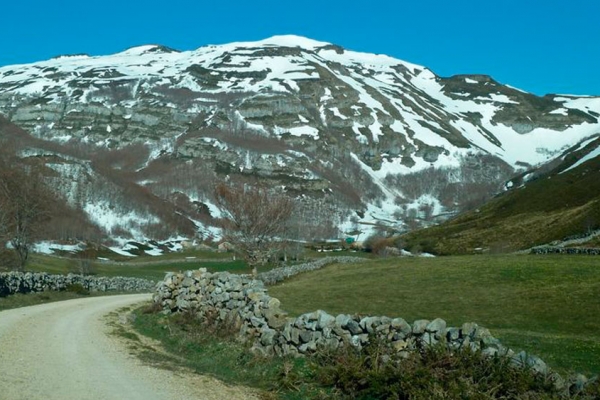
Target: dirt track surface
64	351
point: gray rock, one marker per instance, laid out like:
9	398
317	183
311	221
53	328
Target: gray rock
325	320
369	324
257	322
419	326
354	327
306	336
342	320
275	317
452	334
438	326
267	337
429	339
307	347
468	329
400	325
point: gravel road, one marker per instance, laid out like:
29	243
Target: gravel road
64	351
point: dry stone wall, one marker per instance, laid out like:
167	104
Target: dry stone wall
592	251
19	282
245	303
280	274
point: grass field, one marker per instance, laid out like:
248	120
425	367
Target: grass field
153	268
548	305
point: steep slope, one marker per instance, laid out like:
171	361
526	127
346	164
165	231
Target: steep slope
554	203
359	139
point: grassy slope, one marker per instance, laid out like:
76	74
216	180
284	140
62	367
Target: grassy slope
548	305
550	208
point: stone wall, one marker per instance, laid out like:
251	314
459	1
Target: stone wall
280	274
19	282
245	303
565	250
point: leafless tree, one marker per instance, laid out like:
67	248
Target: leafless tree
24	206
255	222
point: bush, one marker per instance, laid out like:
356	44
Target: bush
8	259
434	373
376	244
78	289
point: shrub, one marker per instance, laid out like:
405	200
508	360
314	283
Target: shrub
78	289
376	244
8	259
434	373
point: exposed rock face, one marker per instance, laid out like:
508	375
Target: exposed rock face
352	132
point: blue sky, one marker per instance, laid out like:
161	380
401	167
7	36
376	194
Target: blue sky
540	46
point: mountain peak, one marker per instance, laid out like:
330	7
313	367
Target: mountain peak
294	41
283	41
148	49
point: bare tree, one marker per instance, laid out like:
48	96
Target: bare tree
255	222
24	206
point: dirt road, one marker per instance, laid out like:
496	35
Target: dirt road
64	351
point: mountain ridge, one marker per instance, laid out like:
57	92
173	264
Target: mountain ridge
354	133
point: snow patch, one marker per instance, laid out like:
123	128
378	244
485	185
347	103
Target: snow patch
46	247
304	131
560	111
109	218
591	155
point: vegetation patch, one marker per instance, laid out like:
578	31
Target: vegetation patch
32	299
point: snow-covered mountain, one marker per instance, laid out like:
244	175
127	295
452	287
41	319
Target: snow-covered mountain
355	137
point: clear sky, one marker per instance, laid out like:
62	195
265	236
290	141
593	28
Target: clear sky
542	46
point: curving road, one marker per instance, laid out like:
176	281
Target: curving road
63	351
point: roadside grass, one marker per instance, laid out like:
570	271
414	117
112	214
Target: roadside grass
190	343
32	299
547	305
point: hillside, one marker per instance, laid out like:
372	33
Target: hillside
137	140
552	204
